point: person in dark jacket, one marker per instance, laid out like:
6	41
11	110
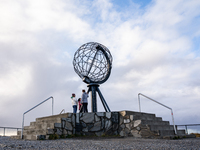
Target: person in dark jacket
84	100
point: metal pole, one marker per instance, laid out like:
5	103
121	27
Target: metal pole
139	102
103	104
17	131
22	127
4	132
186	129
52	105
173	121
103	100
93	98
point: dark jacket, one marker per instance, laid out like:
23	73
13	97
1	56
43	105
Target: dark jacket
84	98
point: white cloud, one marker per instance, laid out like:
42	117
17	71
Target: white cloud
30	17
15	82
152	52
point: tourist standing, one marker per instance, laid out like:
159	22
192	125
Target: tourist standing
84	100
74	103
80	106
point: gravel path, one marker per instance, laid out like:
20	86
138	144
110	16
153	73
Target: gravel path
102	143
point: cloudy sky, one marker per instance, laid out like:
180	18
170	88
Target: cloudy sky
155	48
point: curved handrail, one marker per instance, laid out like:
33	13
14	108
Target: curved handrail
32	109
158	103
62	111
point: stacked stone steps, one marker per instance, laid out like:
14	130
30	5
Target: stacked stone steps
181	132
161	127
143	116
40	126
166	133
34	132
18	136
147	117
169	134
155	124
29	127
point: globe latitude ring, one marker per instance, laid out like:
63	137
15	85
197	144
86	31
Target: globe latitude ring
93	63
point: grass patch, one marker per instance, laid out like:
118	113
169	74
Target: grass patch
104	135
176	137
53	136
196	134
63	136
75	135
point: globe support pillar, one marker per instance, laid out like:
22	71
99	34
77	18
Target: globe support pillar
93	88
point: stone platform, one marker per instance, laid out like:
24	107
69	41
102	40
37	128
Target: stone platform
122	123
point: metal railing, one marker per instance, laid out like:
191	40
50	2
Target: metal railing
4	129
186	125
34	108
62	111
157	103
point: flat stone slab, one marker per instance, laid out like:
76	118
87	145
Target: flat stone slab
96	127
88	117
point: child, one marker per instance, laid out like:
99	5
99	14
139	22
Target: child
80	105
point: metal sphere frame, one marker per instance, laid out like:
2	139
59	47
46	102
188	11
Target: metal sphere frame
93	63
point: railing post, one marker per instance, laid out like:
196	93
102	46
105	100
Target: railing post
52	105
4	133
62	111
186	129
173	121
139	102
22	126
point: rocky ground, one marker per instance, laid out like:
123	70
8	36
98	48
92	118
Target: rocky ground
129	143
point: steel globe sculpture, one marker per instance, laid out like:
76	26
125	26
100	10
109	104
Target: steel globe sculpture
93	63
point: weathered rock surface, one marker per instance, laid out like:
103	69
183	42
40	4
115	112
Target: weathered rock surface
124	123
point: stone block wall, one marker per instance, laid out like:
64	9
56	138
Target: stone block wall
102	123
95	124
